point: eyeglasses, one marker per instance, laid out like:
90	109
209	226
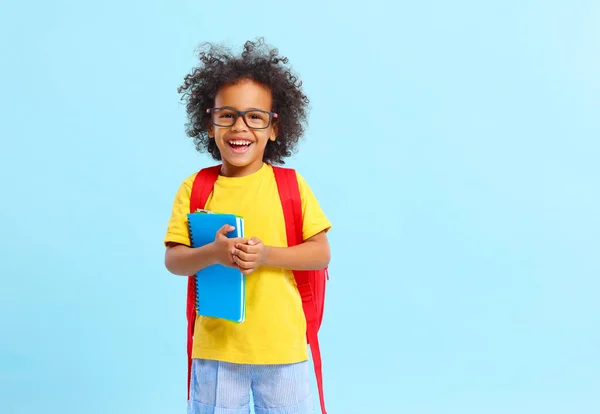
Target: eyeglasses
255	118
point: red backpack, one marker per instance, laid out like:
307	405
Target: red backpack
311	283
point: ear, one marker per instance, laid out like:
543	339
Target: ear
211	131
274	132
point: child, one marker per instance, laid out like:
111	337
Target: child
248	113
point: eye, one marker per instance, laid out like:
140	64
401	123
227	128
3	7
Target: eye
225	114
257	116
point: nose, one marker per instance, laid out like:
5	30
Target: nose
240	124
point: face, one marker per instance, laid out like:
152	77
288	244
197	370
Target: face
241	147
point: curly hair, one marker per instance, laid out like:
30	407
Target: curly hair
261	64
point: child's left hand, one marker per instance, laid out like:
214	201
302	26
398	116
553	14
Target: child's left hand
249	256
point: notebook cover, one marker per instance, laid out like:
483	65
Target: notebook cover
220	290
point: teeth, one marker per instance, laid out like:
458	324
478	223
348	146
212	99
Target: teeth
239	142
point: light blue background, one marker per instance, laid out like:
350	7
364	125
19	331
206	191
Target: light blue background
454	145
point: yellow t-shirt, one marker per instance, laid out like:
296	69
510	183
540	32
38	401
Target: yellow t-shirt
274	331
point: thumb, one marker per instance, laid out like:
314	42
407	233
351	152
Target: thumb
253	241
225	229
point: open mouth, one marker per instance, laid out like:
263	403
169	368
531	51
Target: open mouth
239	146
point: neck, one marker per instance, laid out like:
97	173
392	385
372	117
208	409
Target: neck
233	171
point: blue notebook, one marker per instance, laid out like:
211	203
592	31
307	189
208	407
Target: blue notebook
220	290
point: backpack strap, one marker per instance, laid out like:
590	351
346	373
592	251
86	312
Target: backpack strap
201	190
289	192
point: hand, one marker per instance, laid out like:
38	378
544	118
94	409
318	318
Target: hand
249	256
224	246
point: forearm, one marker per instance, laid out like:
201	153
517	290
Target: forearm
186	261
310	255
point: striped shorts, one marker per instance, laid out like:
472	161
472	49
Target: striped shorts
224	388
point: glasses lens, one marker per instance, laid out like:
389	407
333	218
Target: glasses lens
224	117
257	119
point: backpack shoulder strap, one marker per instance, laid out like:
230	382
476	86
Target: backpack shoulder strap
291	202
202	187
289	193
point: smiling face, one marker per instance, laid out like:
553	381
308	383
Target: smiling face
242	148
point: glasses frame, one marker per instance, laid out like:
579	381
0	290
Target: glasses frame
272	115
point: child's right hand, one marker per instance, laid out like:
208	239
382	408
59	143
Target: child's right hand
225	246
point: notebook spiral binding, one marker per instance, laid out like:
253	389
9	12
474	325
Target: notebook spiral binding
195	276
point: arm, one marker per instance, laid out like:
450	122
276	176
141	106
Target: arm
182	260
185	261
313	254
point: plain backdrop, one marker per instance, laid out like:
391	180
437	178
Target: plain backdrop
454	146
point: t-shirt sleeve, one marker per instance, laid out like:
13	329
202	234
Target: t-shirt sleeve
314	219
177	229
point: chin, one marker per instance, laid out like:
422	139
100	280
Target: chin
238	164
241	162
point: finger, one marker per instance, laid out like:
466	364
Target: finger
233	242
247	271
246	248
241	263
247	257
254	241
227	228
